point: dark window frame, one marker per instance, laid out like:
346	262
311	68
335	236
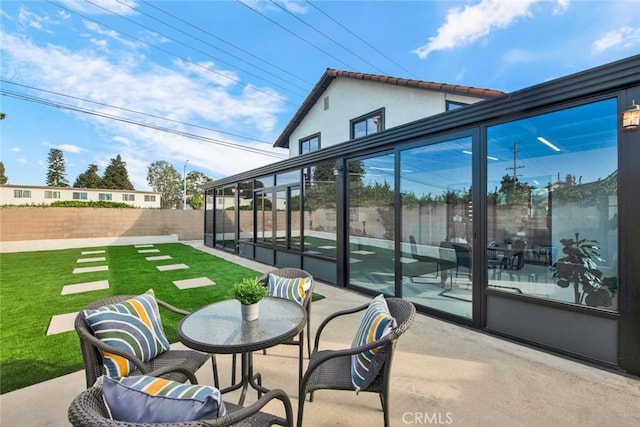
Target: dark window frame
306	140
364	118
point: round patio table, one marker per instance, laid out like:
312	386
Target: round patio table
219	328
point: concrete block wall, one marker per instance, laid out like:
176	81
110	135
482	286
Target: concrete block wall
44	223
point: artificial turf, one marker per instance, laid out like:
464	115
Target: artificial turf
30	287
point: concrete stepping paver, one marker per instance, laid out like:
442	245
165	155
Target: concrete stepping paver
193	283
148	251
172	267
90	269
85	287
61	323
143	246
96	259
158	258
92	252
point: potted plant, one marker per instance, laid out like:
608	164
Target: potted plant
578	268
249	292
508	241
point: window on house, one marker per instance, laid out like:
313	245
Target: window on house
78	195
452	105
51	194
310	144
22	194
368	124
105	196
148	198
128	197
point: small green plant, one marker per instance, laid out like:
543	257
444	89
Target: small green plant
249	291
508	240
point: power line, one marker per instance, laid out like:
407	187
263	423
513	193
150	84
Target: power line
177	56
190	46
360	38
284	70
56	104
136	112
296	35
326	36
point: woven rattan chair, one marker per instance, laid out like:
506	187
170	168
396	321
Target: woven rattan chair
294	273
331	369
176	365
88	410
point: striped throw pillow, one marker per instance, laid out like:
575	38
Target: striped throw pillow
133	326
293	289
145	399
375	324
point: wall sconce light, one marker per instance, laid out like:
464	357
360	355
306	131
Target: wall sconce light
631	117
337	169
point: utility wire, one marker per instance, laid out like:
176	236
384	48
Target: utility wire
189	46
279	98
284	70
360	38
326	36
136	112
296	35
56	104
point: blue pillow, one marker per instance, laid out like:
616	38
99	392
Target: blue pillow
375	324
145	399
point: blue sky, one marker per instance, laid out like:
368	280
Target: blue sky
233	73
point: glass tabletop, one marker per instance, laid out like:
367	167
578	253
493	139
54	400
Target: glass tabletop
219	328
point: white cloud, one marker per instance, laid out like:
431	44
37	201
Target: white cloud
70	148
291	5
88	8
468	24
561	7
515	56
623	38
127	79
15	149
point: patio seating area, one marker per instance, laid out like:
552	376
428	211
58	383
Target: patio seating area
442	374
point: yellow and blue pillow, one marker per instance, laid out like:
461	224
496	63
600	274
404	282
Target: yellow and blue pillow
375	324
133	326
146	399
294	289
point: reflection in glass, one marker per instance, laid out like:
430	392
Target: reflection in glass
292	177
245	207
320	210
371	222
435	188
281	217
294	217
229	218
208	215
264	217
552	178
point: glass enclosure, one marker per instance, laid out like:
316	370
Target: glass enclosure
371	222
320	213
553	201
435	190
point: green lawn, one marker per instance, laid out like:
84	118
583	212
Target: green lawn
30	286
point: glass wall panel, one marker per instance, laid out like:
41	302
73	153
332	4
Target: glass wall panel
209	206
371	223
229	218
553	205
264	217
320	210
294	217
245	207
281	217
219	221
292	177
435	189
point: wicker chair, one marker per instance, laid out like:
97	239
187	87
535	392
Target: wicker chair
88	410
331	369
176	365
292	273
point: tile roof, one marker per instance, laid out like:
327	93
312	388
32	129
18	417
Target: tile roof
330	74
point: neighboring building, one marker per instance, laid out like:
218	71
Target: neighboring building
471	214
35	195
336	110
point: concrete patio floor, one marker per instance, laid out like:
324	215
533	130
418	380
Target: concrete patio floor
442	374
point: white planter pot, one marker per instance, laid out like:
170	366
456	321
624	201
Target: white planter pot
249	311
